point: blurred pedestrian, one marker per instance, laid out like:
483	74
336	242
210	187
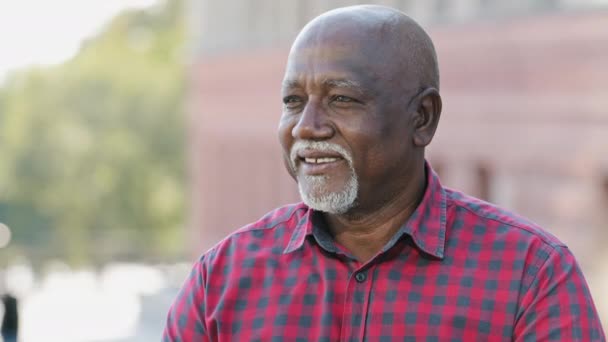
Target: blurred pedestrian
10	321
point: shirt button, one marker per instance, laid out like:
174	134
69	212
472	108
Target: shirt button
360	277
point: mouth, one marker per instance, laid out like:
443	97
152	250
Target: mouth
318	162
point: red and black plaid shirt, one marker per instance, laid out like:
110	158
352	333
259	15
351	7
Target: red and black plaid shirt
458	270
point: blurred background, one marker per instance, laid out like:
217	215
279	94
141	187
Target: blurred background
134	134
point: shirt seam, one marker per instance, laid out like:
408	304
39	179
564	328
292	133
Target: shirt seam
251	229
540	265
204	286
553	244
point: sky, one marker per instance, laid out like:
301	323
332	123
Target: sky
43	32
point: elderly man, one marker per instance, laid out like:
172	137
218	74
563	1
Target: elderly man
379	250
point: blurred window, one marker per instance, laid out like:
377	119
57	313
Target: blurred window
547	4
604	186
438	166
301	13
486	4
404	5
442	7
484	182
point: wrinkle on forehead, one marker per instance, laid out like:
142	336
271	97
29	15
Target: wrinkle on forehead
332	65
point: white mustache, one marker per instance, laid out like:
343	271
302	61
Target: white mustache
320	146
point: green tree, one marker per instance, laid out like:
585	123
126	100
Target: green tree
92	150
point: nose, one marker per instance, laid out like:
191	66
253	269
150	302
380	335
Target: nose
313	123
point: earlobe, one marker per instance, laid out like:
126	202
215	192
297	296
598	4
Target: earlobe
427	117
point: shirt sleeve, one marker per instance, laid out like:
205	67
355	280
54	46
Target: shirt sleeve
186	317
558	305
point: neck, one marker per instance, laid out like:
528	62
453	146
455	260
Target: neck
365	232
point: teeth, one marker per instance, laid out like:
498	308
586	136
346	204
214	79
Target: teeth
320	160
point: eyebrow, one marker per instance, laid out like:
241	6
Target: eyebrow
330	83
290	84
342	83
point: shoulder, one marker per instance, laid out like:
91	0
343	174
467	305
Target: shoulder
270	233
489	219
514	242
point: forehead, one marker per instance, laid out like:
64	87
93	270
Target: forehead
331	65
341	50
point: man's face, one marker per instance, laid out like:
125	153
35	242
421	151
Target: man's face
344	129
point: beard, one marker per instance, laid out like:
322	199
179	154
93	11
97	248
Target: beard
314	190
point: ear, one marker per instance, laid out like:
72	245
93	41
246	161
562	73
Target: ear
426	117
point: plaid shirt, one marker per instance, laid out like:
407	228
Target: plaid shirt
458	270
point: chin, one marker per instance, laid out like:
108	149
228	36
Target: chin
316	193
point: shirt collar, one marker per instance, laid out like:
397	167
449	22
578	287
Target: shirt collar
302	230
426	226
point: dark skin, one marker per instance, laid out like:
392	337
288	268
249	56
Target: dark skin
353	79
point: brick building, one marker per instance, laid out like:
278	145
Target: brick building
525	120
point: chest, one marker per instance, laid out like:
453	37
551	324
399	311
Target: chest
326	299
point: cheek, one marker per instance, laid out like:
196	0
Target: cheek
365	149
286	140
284	133
375	148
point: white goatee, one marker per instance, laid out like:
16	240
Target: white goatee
313	189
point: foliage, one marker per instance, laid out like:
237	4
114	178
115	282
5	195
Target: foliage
92	151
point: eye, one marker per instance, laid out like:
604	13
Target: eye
342	98
292	101
344	101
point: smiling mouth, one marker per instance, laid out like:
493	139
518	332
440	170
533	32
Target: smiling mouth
316	158
320	165
324	160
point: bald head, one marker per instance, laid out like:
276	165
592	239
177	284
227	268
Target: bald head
389	38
